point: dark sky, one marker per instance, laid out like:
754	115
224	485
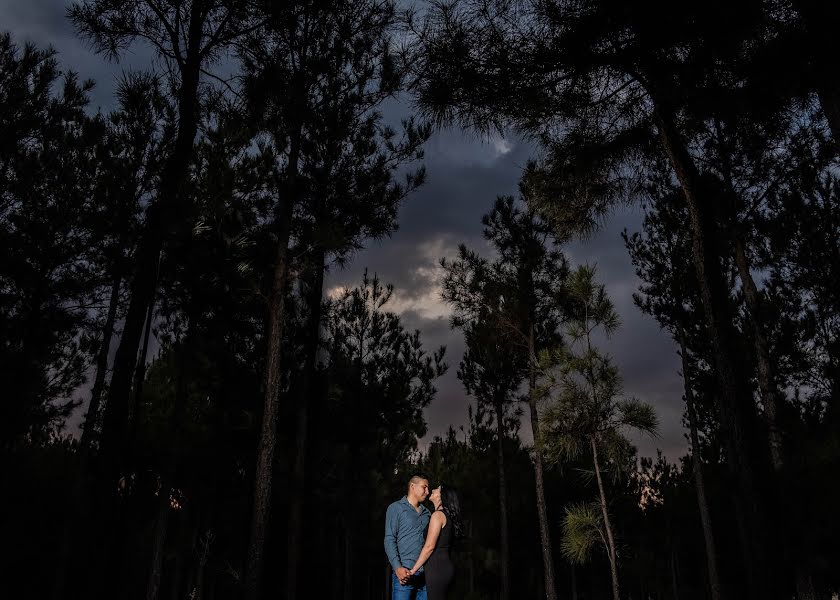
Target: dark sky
465	174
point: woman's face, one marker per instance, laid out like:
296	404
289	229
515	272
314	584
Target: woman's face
435	496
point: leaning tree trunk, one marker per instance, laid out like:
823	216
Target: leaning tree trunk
542	512
92	415
766	376
78	513
504	592
606	516
699	482
767	384
162	218
770	396
314	300
736	405
273	381
140	374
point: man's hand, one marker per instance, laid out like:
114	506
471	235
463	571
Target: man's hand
402	574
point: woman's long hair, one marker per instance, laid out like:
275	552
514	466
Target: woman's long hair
451	507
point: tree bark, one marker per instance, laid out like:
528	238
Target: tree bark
542	513
736	405
504	592
314	300
273	383
699	481
606	516
766	373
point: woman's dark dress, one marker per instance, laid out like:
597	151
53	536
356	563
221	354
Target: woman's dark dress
439	568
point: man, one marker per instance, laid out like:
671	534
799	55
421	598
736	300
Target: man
405	526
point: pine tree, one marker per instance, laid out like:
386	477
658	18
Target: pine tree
587	414
519	293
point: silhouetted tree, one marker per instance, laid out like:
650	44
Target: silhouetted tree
520	294
187	38
381	378
607	92
315	84
587	414
49	160
493	375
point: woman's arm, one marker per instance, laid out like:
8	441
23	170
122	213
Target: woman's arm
436	523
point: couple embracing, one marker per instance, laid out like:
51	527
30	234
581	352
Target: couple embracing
417	542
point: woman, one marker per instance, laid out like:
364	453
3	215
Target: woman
444	527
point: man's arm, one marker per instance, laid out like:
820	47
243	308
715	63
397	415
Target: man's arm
392	525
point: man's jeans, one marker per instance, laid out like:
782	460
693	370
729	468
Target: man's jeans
414	590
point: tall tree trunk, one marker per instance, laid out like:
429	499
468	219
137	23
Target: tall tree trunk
314	300
273	381
163	217
542	512
675	576
736	405
349	579
472	559
159	539
92	415
699	481
140	373
766	376
768	389
78	513
202	555
606	516
170	471
504	592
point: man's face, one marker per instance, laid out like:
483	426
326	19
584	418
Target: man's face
420	490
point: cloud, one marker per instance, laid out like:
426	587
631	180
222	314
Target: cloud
501	145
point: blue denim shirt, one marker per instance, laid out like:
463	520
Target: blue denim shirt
405	533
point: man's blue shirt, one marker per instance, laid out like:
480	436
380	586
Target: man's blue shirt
405	532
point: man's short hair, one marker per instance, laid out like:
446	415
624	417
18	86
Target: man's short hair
416	478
